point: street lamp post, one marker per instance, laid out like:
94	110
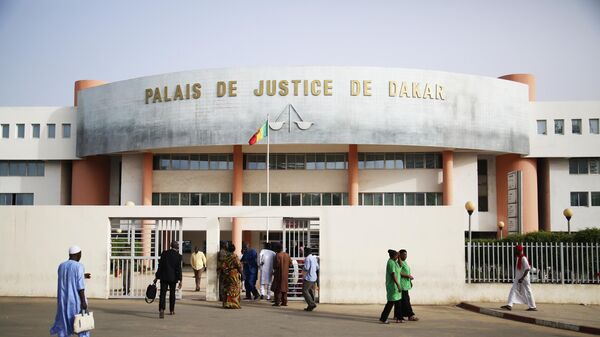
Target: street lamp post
470	207
500	228
568	213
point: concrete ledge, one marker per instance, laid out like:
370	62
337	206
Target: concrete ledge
530	320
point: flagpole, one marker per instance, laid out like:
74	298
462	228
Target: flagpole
268	194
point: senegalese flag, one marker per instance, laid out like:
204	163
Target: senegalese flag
260	134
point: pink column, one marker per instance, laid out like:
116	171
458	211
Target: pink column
353	175
528	168
448	174
237	194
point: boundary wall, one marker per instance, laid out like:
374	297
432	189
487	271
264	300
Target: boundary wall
354	241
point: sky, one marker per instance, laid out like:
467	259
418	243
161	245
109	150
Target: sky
47	45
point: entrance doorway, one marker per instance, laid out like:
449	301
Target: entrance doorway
135	248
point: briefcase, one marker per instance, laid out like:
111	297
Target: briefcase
83	322
150	293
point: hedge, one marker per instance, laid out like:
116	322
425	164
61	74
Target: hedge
584	236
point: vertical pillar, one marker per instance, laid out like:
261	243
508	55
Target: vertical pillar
90	177
353	175
213	232
147	201
529	176
448	176
237	194
528	167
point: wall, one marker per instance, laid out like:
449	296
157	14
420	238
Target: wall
354	243
561	185
35	240
569	144
46	190
465	185
42	148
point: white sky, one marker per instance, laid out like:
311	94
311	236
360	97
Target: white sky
47	45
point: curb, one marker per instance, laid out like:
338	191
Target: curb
530	320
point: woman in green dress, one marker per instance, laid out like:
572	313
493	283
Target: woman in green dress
231	269
393	290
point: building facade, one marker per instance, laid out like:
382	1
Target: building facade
338	136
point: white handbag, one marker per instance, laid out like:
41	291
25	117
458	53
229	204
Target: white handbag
83	322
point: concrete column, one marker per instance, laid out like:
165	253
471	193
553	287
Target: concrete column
528	168
238	180
147	201
353	174
90	177
448	174
213	232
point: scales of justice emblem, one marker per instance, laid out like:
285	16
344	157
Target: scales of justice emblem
282	119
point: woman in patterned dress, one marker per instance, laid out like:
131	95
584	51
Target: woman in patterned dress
231	269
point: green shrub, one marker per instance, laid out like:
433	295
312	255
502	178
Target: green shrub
586	235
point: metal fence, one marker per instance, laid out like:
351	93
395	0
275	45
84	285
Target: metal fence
551	262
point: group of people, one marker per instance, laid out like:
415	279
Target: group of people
398	282
274	265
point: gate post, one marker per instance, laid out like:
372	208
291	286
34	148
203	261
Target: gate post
213	237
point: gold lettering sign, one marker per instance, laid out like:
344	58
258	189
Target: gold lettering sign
295	87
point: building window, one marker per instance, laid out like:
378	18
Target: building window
594	126
296	161
20	168
35	130
212	161
559	126
51	130
579	198
482	185
66	130
16	199
541	127
595	198
20	130
193	199
5	130
576	126
584	166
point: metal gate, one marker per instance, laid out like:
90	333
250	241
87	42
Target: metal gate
135	248
297	234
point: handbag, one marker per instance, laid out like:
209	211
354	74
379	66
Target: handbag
150	293
83	322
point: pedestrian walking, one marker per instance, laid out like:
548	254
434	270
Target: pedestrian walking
70	295
311	266
281	270
198	262
406	285
232	269
392	288
266	271
169	273
250	267
521	293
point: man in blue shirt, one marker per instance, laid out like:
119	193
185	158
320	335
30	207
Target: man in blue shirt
311	266
250	266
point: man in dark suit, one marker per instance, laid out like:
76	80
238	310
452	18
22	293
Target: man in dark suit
169	272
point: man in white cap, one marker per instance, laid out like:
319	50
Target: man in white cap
70	295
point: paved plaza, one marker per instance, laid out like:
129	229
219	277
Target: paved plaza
34	316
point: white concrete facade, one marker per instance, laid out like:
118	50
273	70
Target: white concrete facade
47	190
352	269
561	187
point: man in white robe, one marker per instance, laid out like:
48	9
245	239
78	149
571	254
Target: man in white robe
266	258
70	296
521	293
